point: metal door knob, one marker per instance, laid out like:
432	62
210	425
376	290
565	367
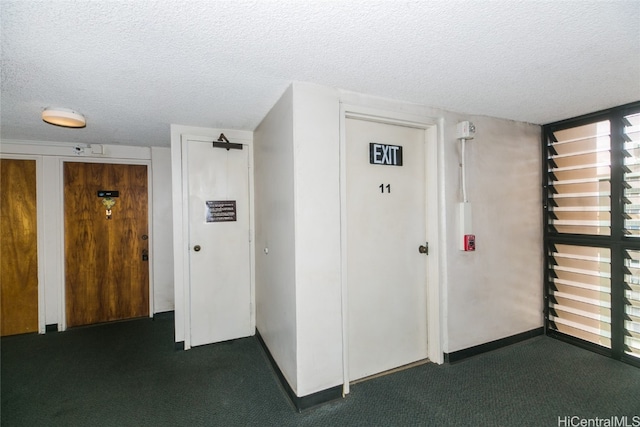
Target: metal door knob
423	249
197	248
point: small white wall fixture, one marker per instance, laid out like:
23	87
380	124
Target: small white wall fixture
433	140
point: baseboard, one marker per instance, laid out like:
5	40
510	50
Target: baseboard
592	347
164	315
459	355
305	402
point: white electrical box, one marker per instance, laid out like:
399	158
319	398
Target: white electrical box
466	130
96	149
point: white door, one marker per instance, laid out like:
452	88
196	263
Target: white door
386	225
219	243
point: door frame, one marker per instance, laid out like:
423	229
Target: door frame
62	319
40	227
432	128
181	135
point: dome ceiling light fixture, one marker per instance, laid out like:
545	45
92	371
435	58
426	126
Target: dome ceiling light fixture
64	117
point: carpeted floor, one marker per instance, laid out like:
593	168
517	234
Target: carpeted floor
128	374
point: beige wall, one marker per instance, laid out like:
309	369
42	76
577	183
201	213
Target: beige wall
495	291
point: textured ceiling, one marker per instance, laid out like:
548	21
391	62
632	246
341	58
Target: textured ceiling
134	67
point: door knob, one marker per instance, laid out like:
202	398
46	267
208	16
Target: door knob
197	248
424	249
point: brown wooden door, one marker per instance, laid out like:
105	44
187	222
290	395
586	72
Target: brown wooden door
19	243
107	274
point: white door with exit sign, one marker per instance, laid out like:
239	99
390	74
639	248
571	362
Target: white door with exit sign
386	225
219	242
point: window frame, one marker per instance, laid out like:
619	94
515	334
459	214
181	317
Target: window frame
617	242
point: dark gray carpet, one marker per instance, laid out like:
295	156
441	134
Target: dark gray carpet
128	374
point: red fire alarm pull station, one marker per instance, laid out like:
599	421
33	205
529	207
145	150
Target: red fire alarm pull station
469	242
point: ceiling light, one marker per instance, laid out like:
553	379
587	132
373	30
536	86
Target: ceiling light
63	117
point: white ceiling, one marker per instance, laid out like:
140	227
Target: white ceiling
135	67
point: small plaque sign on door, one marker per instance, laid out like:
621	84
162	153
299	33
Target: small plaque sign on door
221	210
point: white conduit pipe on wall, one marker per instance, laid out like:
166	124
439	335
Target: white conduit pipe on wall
462	166
466	131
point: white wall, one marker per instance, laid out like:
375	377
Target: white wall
52	240
495	291
317	240
276	313
490	294
50	157
162	249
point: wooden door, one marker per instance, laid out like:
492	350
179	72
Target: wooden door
106	260
18	255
